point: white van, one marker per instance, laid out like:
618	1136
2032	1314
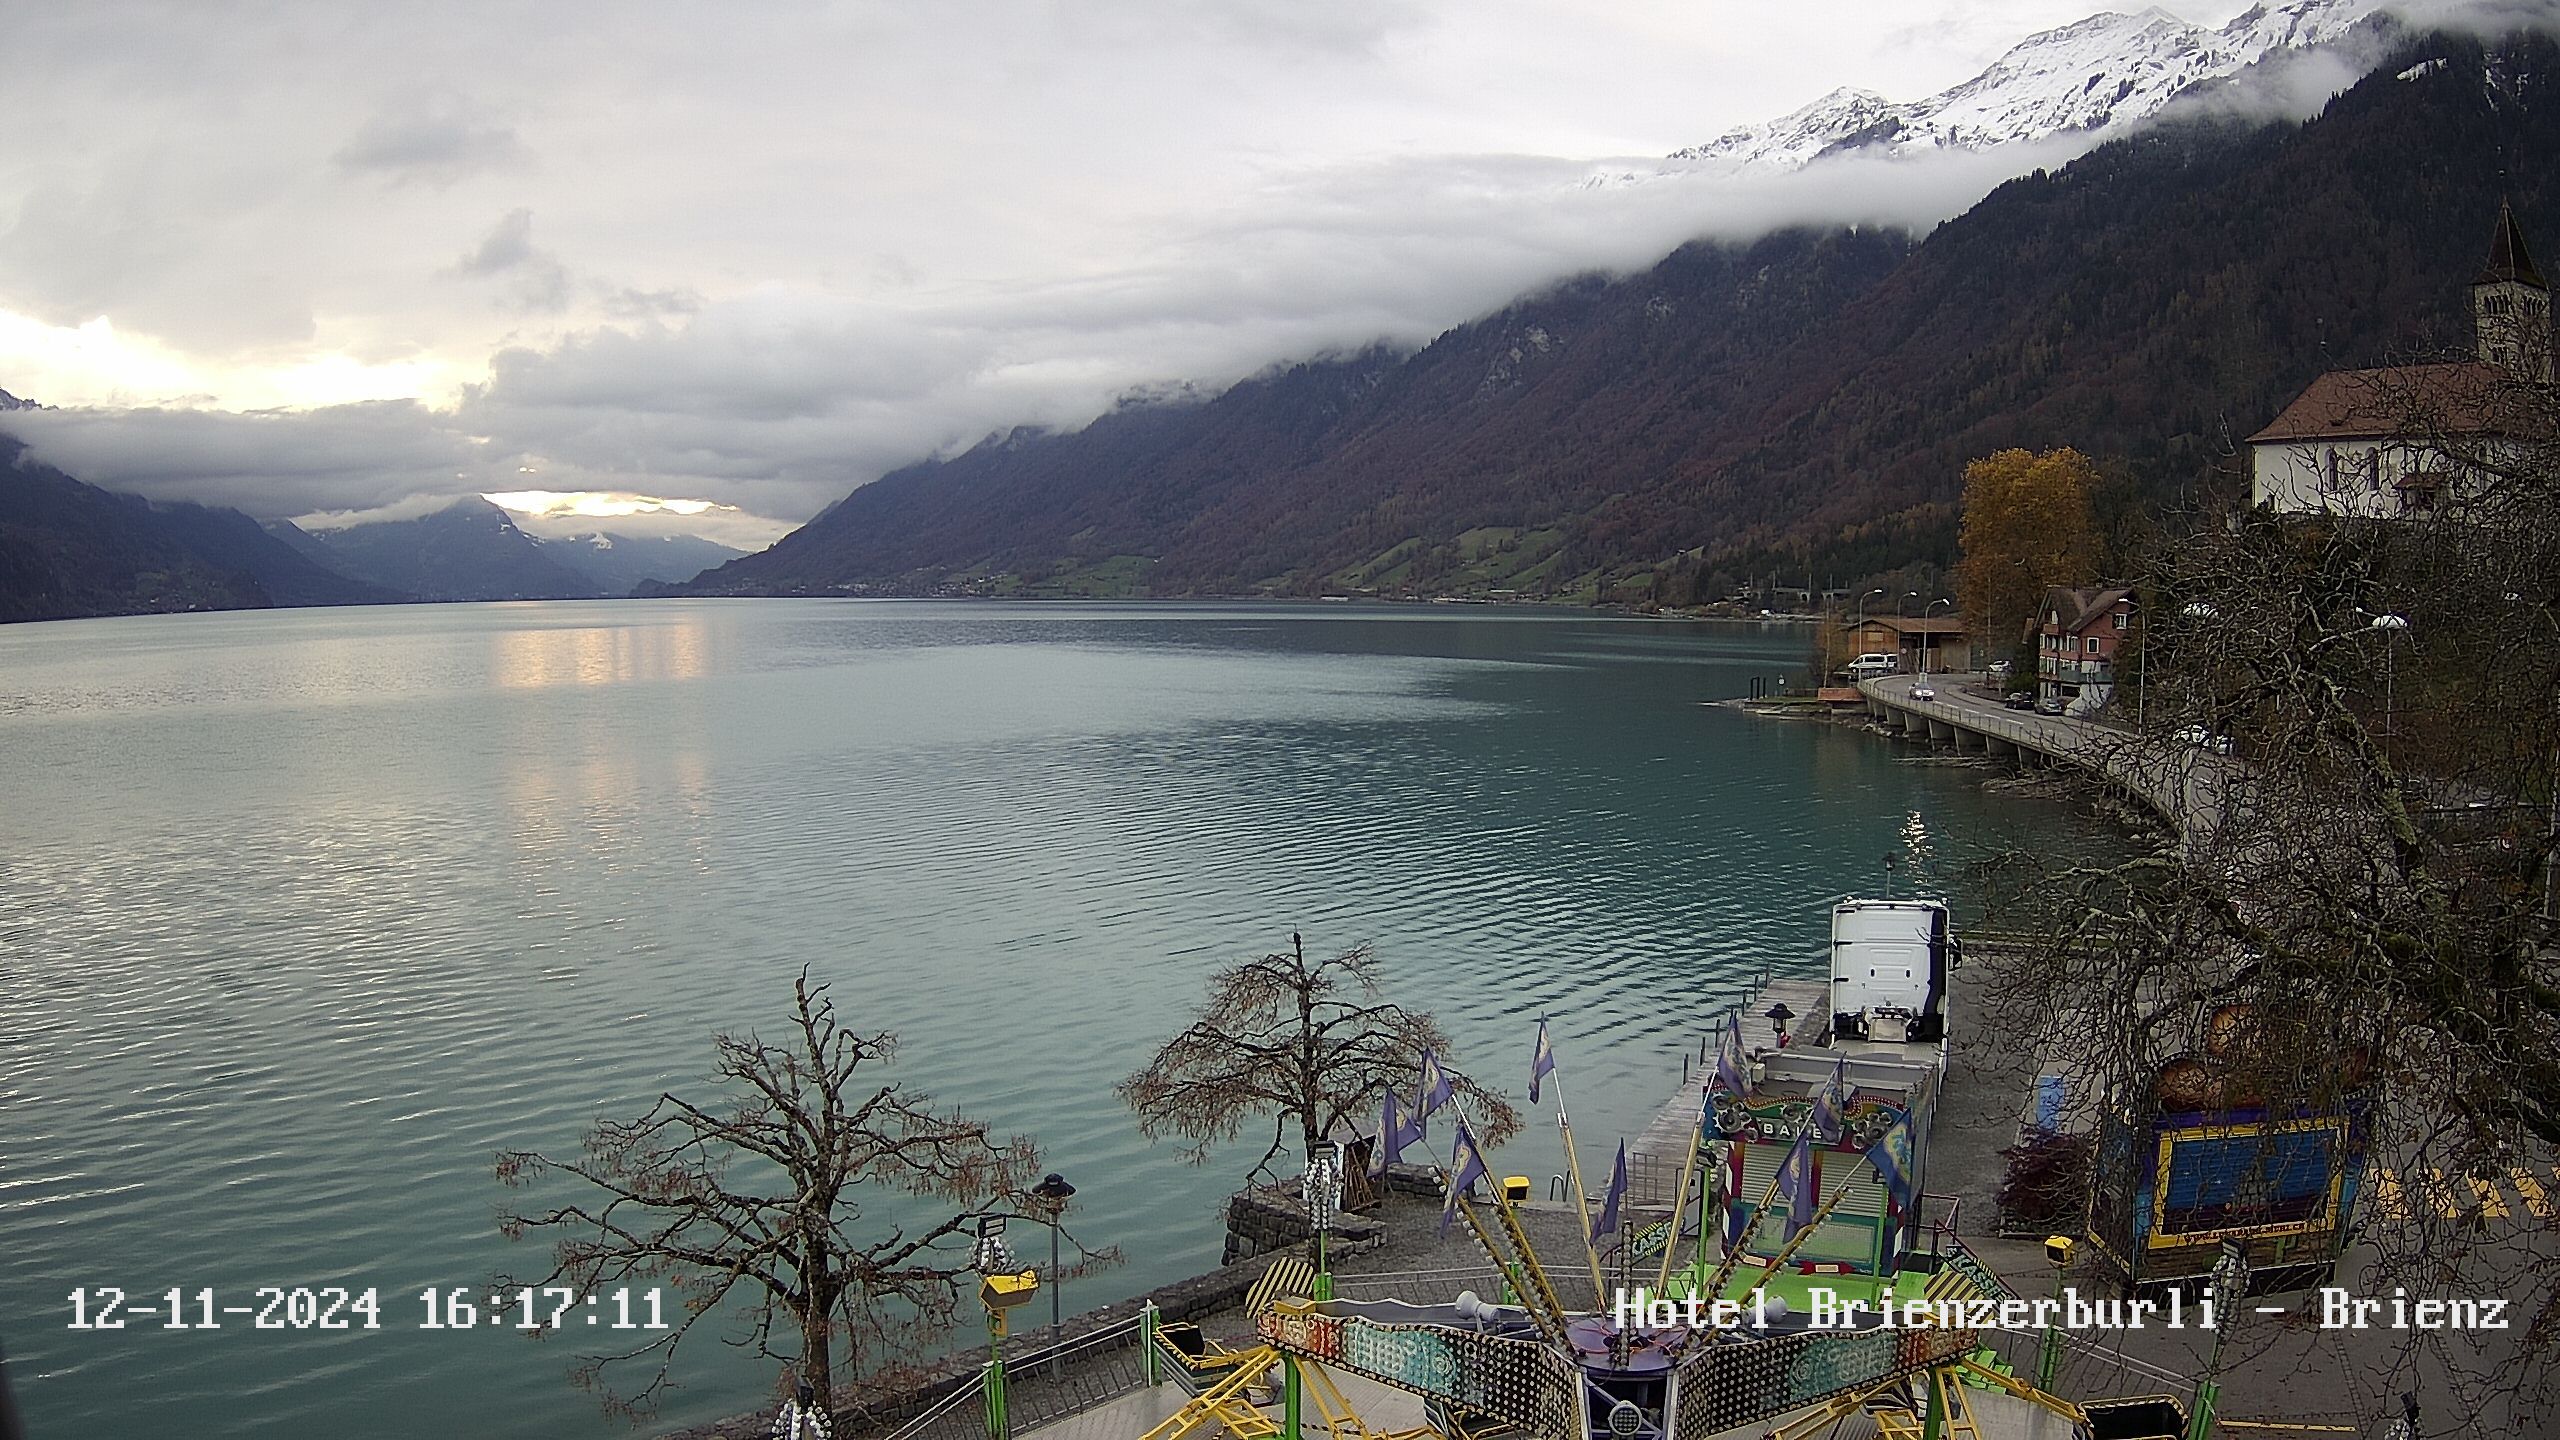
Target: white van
1868	666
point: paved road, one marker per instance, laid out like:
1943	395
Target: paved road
2187	786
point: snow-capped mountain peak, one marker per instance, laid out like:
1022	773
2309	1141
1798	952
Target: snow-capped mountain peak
2105	71
1794	138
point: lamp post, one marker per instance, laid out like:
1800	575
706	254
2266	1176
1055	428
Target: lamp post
1779	1015
1054	1192
1925	645
2229	1284
2390	626
2057	1248
991	1259
1321	1189
2192	610
1862	616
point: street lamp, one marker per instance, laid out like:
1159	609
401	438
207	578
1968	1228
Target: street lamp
2229	1284
998	1289
1779	1015
2192	610
1321	1189
2390	626
1925	646
1862	618
1054	1192
2057	1248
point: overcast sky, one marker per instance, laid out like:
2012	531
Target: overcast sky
307	257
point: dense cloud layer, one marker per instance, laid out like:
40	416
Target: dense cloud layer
760	262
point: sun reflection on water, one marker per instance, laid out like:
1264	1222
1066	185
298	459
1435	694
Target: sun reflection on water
540	658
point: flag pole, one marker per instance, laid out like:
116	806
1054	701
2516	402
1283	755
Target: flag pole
1536	1296
1581	1200
1680	1198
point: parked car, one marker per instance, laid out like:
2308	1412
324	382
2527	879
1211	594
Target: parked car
1873	664
2019	699
1998	670
1923	691
2049	705
2202	739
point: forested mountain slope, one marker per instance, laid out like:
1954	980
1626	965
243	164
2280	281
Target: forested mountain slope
69	549
1811	397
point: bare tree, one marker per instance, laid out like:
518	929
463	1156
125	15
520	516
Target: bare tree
2363	923
1305	1044
760	1198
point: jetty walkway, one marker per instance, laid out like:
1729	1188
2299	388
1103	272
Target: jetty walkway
2185	785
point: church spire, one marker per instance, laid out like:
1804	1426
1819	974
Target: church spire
2508	259
2510	305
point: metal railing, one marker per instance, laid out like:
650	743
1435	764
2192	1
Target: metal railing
2089	1369
960	1415
1091	1370
1421	1286
1043	1386
2077	672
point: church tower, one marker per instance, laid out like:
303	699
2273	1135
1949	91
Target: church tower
2510	306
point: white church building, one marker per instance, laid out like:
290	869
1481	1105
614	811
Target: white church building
2354	442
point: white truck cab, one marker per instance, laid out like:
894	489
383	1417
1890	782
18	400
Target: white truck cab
1889	963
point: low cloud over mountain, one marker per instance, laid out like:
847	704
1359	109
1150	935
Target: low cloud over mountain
755	314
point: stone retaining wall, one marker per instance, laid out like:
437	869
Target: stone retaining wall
1270	1219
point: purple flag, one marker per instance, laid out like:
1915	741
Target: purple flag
1796	1184
1395	1131
1828	1121
1466	1167
1893	1159
1607	1224
1435	1085
1729	1057
1543	1063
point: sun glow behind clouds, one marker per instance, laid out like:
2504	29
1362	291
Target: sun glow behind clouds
97	364
594	504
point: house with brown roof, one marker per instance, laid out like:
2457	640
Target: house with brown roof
2373	442
1926	645
2077	635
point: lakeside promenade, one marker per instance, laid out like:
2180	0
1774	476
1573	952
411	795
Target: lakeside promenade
2186	785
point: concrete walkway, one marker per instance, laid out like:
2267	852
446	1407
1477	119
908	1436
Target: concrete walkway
2185	785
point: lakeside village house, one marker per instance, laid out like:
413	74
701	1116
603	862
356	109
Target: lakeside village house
1930	645
2077	635
2352	443
2344	446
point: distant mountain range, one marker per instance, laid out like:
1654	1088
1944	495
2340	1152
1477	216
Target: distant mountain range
69	549
1804	402
2109	70
473	550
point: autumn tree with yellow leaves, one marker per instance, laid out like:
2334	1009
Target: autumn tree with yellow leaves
2027	525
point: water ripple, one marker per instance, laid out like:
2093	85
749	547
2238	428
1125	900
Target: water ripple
303	917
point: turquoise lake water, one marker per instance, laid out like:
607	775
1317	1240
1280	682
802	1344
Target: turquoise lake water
305	915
